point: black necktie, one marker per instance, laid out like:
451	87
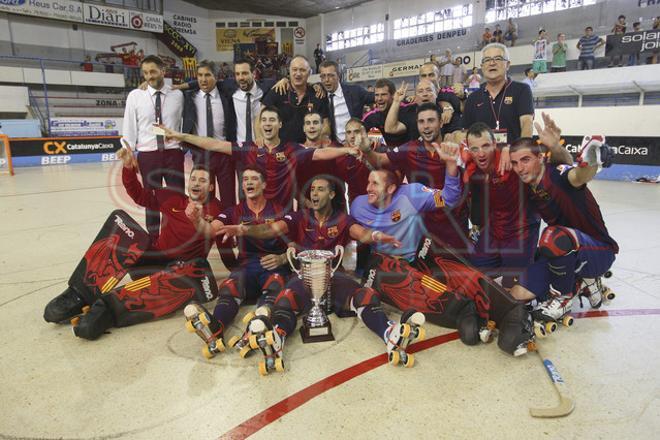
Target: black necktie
248	117
209	116
333	123
160	140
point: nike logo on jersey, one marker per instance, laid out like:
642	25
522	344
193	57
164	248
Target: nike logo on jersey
479	104
177	210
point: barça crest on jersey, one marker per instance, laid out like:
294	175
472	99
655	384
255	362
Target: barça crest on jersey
333	231
280	157
310	107
269	221
508	100
542	194
396	216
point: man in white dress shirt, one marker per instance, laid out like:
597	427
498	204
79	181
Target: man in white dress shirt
204	103
158	158
345	101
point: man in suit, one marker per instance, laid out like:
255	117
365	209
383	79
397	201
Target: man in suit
244	94
345	100
207	112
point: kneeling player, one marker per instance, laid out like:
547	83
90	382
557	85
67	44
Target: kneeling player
576	244
171	273
325	226
450	293
261	272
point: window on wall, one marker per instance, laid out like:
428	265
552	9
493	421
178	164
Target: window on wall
500	10
355	37
435	21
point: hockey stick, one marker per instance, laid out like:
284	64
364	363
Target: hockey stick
566	402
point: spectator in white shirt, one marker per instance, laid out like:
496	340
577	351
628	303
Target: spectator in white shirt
446	69
158	158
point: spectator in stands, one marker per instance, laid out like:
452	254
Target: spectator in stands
498	36
540	61
319	56
619	28
511	32
486	37
530	78
559	54
474	80
633	58
587	44
446	69
504	105
159	158
87	65
459	72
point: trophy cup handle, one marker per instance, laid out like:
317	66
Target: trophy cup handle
339	252
290	256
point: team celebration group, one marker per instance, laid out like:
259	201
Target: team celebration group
444	200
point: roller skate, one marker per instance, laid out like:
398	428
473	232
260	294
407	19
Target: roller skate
200	321
551	312
400	334
268	339
93	321
65	306
242	343
595	291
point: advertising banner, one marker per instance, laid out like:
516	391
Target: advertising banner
633	42
364	73
227	38
176	42
56	9
85	126
628	150
121	18
63	146
402	68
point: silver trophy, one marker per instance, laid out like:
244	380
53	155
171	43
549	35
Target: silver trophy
315	271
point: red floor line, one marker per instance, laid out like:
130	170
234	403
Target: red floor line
281	408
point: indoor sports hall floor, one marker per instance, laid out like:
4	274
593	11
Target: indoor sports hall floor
151	382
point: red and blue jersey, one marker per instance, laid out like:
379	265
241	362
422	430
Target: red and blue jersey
560	203
250	247
280	164
506	208
306	231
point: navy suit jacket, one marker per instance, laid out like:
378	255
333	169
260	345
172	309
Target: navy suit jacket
356	98
190	112
229	87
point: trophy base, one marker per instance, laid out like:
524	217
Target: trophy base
316	334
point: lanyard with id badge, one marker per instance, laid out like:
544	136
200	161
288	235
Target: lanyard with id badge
501	137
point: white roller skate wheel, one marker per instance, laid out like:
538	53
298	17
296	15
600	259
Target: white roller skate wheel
257	326
417	319
190	311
